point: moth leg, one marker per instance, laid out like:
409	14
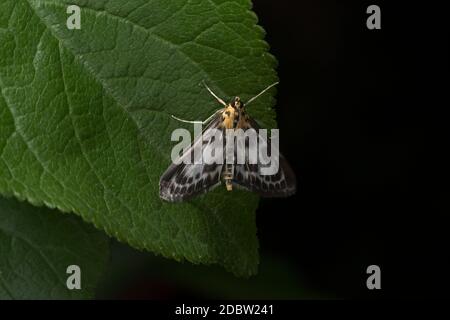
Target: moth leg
213	94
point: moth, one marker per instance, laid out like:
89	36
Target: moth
183	181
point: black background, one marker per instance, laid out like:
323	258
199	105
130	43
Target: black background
362	121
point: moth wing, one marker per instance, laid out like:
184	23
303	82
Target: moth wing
183	181
248	176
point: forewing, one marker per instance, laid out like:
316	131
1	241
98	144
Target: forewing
183	181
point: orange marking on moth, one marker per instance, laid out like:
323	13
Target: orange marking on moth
228	117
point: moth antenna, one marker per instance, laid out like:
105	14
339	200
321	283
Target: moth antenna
259	94
185	121
189	121
213	94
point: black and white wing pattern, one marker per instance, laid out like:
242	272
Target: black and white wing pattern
183	181
248	176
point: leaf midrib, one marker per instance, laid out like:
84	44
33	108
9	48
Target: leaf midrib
146	31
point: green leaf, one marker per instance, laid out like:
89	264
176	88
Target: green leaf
36	247
85	120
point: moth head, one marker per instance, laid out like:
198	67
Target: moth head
236	103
